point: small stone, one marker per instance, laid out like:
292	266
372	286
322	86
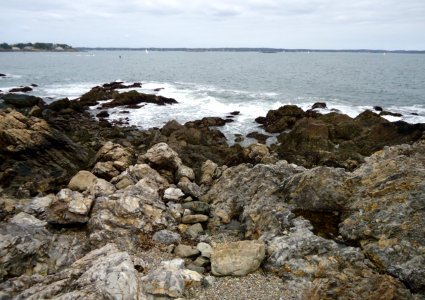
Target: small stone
205	249
192	219
123	183
198	207
184	251
196	268
208	281
202	261
182	228
166	237
173	194
195	230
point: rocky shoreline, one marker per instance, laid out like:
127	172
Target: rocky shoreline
93	210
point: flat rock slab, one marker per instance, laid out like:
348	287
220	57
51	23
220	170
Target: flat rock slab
192	219
237	258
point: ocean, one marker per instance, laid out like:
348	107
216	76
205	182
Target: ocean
217	83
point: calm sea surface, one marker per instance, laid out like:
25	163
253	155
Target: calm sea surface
216	83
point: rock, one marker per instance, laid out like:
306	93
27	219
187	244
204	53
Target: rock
378	108
162	156
196	268
209	172
2	75
205	249
189	188
283	118
170	280
134	97
235	113
320	105
24	89
166	237
194	230
261	138
21	101
57	159
28	249
201	261
258	153
173	194
207	122
34	85
327	268
192	219
185	251
386	212
237	258
261	120
82	181
103	114
39	205
319	189
184	171
26	219
69	208
111	160
250	194
197	207
103	273
388	113
100	187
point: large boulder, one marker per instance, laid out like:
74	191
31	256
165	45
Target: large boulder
386	214
162	156
319	268
169	280
103	273
82	181
282	118
237	258
35	157
22	101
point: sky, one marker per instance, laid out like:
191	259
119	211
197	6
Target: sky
314	24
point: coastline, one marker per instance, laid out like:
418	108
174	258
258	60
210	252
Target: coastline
334	207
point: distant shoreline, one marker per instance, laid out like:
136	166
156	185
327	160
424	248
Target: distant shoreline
262	50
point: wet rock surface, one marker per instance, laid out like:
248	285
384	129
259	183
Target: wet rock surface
92	211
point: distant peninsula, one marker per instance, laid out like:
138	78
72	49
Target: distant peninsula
36	47
246	49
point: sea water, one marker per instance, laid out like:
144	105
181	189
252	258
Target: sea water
217	83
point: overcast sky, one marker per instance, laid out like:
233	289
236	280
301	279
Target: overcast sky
321	24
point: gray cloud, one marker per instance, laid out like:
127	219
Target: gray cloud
200	23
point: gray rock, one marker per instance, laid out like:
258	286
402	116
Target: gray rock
184	251
162	156
198	207
194	230
170	280
101	187
196	268
81	181
105	273
192	219
189	188
205	249
173	194
184	171
26	219
210	172
39	205
237	258
69	207
201	261
166	237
